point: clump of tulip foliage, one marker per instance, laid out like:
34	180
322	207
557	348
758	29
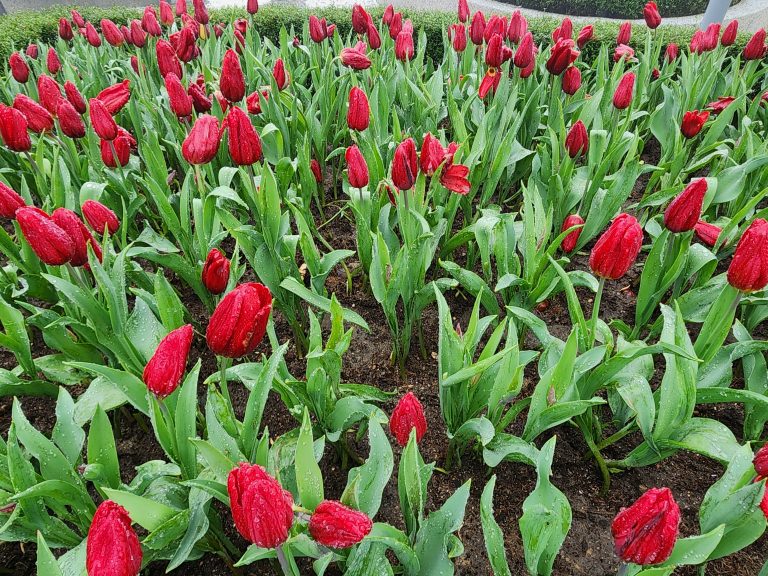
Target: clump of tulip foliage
164	192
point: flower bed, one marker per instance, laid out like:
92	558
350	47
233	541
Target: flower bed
336	299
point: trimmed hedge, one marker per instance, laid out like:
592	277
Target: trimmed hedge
630	9
20	28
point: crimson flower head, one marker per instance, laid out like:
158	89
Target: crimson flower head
261	509
149	22
116	96
179	99
181	8
48	93
240	320
336	526
693	122
138	35
216	271
729	34
78	233
122	149
252	6
518	26
496	25
760	462
355	58
524	55
13	129
404	48
360	19
78	19
577	139
92	36
280	74
458	36
404	165
622	98
616	250
112	33
243	141
65	29
623	51
200	100
357	169
10	201
463	11
167	61
389	13
48	241
232	82
374	39
711	37
74	97
318	29
670	54
684	211
314	167
19	68
408	415
100	217
697	45
748	271
565	30
562	55
571	80
625	33
585	35
646	532
52	61
112	546
496	53
454	177
432	154
477	29
396	25
651	15
707	233
166	13
202	143
38	118
201	11
755	48
101	120
721	104
70	122
569	242
32	51
163	372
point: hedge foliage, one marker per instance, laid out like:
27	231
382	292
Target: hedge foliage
20	28
614	8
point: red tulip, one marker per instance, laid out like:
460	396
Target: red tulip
707	233
577	140
693	122
389	13
78	19
101	120
243	141
92	36
697	42
623	51
149	22
179	99
261	509
202	143
167	60
318	29
360	19
112	33
625	33
562	55
651	15
38	118
100	217
52	62
458	35
454	178
404	49
336	526
432	154
374	40
358	114
407	415
489	83
314	166
48	93
127	36
357	169
163	373
622	98
616	250
564	31
518	26
396	25
13	129
755	48
571	80
216	271
181	7
231	81
74	97
760	462
721	104
70	122
730	32
138	34
186	47
19	68
10	201
477	29
711	37
280	74
749	267
585	35
78	233
51	244
404	165
463	11
201	11
253	101
121	153
200	101
496	25
112	546
670	54
524	56
240	320
355	59
646	532
65	29
252	6
496	53
166	13
684	211
116	96
569	242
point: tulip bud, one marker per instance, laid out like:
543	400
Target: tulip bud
458	35
78	233
70	122
496	53
571	80
52	62
524	56
261	509
78	19
138	35
231	81
48	93
243	141
358	114
202	143
693	122
389	13
280	74
651	15
374	40
112	33
92	36
670	54
408	414
707	233
252	6
564	31
518	26
562	55
404	49
115	152
477	29
317	29
432	154
149	22
216	271
10	201
684	211
760	462
577	140
357	169
622	98
65	29
711	36
51	244
454	178
201	11
74	97
585	35
748	271
200	101
314	167
181	8
360	19
396	25
353	58
729	34
240	320
180	101
755	48
19	68
167	60
404	165
463	11
162	374
38	118
100	217
116	96
112	546
569	242
625	33
616	250
623	51
646	532
101	120
336	526
13	129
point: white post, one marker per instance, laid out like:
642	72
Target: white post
715	12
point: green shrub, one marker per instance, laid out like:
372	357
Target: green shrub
614	8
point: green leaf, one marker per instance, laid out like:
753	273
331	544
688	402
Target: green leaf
366	483
695	549
46	561
133	388
494	537
432	538
101	448
148	514
292	285
309	479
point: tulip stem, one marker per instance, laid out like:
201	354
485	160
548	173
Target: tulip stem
223	366
595	313
284	564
